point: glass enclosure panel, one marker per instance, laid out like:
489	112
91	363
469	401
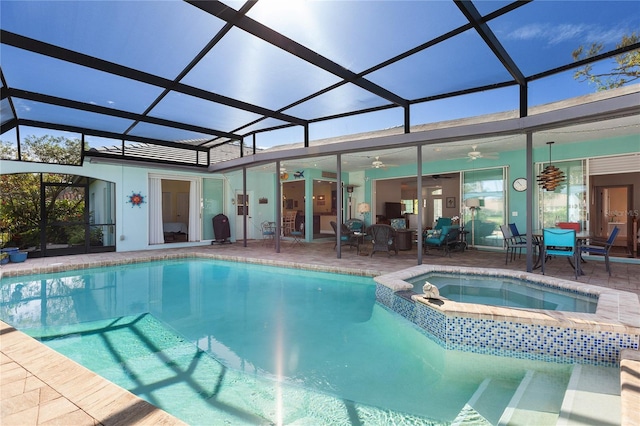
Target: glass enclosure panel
102	214
78	217
483	222
568	203
64	218
212	205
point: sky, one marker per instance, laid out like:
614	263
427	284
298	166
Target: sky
161	38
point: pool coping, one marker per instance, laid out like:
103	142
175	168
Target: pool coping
152	256
68	392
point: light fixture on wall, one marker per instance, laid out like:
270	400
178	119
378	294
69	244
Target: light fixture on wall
551	177
473	204
363	209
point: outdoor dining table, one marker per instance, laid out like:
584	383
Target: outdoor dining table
581	238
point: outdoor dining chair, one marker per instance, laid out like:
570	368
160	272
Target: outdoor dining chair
298	235
594	248
561	243
268	232
511	242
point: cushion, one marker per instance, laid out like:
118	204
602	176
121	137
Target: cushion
444	231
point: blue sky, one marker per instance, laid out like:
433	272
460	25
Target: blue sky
161	37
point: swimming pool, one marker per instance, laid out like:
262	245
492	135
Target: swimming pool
505	291
212	341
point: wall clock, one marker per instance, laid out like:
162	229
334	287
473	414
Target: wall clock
520	184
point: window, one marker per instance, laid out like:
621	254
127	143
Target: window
568	203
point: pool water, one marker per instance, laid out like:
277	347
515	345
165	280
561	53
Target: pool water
220	342
501	291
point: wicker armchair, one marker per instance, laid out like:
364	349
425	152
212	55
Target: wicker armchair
383	238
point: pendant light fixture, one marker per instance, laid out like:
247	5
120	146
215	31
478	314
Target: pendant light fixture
551	177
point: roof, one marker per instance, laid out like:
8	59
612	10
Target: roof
214	77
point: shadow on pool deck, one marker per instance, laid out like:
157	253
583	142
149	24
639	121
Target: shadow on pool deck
39	385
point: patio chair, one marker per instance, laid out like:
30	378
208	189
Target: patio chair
512	243
298	235
355	225
289	222
442	221
346	236
444	239
560	242
603	249
268	232
383	238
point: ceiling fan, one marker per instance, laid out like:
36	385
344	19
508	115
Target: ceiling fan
474	154
377	164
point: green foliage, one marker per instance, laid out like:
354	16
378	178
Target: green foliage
625	71
20	209
50	149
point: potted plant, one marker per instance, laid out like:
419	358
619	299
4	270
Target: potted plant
4	258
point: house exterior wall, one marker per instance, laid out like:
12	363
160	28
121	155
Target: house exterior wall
132	230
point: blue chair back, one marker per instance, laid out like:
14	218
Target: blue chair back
559	242
440	237
443	221
612	237
514	230
355	225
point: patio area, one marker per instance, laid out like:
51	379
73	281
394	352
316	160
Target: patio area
34	392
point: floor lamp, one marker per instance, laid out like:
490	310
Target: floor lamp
363	209
473	204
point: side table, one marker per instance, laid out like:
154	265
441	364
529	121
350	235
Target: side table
403	239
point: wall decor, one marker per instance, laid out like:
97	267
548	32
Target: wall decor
263	200
136	199
451	202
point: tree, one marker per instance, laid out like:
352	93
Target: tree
626	70
20	212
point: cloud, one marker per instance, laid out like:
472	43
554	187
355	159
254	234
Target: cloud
552	34
560	33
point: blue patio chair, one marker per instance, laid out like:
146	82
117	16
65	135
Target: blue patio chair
562	243
355	225
594	248
445	238
442	221
346	236
512	243
268	232
298	235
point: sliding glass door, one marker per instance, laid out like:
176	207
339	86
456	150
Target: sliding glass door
485	191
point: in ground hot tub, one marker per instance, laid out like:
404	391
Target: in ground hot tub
594	336
507	291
